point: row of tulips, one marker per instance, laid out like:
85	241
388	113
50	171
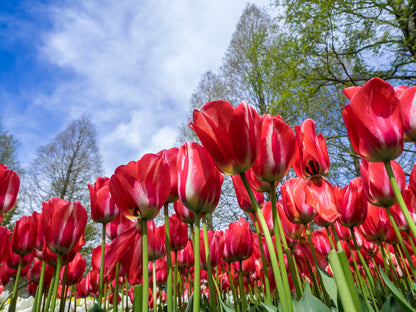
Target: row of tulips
362	257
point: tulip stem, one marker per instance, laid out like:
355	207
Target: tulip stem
285	302
197	272
56	283
145	302
175	281
399	198
100	284
168	258
154	285
13	301
115	293
243	297
212	297
39	291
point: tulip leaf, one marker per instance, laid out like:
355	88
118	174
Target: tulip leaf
95	308
329	284
189	308
269	307
391	305
307	289
405	305
309	303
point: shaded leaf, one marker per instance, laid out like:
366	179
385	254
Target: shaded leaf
309	303
396	293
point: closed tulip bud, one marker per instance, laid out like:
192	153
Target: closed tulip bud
243	199
248	265
376	183
64	224
199	182
373	121
266	210
321	242
171	157
277	147
24	236
343	232
178	233
291	230
156	241
376	225
257	185
76	269
9	187
409	198
183	213
231	135
141	188
5	235
311	157
35	272
40	236
353	207
239	240
412	179
103	207
407	99
82	288
96	257
186	256
294	202
216	248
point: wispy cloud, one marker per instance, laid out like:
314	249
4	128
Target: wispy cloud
131	65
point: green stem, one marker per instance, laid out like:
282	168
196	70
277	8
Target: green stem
115	294
145	267
100	284
154	285
168	258
399	198
230	277
137	300
197	270
56	283
286	303
64	290
175	280
331	241
212	295
39	291
263	259
243	298
280	238
48	297
13	301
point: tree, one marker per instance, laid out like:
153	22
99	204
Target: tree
8	150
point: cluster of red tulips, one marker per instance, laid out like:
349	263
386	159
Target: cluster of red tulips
362	257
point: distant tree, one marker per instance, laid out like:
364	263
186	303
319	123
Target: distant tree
8	150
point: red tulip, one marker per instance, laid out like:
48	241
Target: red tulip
178	233
248	266
35	272
311	156
407	99
171	157
183	213
9	187
256	184
409	198
321	242
266	210
117	226
216	248
376	225
373	121
294	202
156	241
320	195
343	232
141	188
292	230
103	207
231	135
376	183
83	288
277	147
199	182
24	236
239	240
243	199
412	179
186	256
40	237
353	207
96	256
5	235
64	224
76	269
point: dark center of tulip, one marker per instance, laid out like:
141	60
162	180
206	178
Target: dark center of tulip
136	212
312	167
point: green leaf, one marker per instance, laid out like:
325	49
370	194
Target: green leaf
329	284
307	289
391	305
309	303
190	304
396	293
96	308
269	307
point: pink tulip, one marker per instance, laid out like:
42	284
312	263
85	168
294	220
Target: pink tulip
103	207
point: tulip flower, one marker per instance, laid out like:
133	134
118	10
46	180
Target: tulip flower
178	233
199	182
373	121
410	199
291	230
24	236
157	245
239	240
103	207
256	184
231	135
76	269
117	226
294	202
243	198
216	248
9	187
407	100
376	225
185	257
376	183
311	157
353	207
183	213
277	147
171	157
320	241
412	179
141	188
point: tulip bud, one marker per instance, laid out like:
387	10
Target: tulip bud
103	207
239	240
9	187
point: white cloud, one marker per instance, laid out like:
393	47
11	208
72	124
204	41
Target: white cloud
131	65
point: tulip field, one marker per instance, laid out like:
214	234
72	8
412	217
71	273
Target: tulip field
318	247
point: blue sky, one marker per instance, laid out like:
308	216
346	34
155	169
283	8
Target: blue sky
130	65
